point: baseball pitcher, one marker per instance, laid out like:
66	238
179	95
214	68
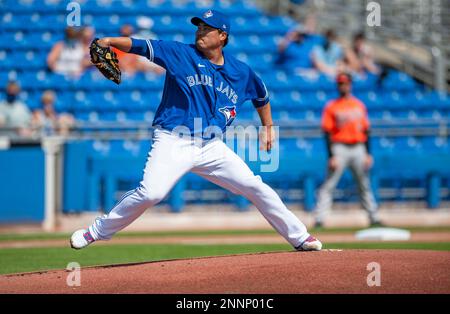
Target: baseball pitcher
202	81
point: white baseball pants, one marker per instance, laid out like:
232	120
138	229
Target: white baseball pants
170	158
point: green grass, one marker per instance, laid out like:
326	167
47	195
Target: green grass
15	260
59	236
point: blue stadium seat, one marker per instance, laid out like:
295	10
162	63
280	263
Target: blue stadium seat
57	81
136	148
25	7
422	104
44	40
83	102
107	115
310	147
325	83
105	23
151	100
364	83
419	100
31	99
438	100
173	24
301	114
6	61
394	101
386	116
408	144
278	81
88	116
6	76
247	112
308	83
14	40
261	63
107	101
97	7
150	81
243	8
130	100
10	21
35	80
435	144
50	6
281	116
289	100
100	147
281	24
136	116
94	80
398	81
382	145
42	22
321	99
27	60
371	100
64	101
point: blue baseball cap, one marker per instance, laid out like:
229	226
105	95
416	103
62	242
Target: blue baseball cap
214	19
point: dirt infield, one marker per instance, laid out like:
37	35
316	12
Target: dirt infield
328	271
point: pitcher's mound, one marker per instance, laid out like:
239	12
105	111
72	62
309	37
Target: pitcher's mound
328	271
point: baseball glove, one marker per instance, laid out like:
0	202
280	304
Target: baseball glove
105	60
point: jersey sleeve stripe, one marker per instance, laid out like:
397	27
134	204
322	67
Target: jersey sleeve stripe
266	96
261	99
150	49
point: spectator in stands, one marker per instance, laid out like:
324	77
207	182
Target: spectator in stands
328	58
294	51
66	56
14	114
346	127
47	121
86	37
360	57
132	63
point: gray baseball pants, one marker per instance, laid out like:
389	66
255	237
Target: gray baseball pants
353	157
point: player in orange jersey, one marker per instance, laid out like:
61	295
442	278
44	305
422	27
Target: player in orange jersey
346	127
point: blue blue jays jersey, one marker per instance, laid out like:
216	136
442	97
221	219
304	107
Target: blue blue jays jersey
196	88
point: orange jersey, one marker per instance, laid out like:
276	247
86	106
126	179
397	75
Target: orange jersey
346	120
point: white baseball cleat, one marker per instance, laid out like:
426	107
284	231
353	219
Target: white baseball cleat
80	239
310	244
